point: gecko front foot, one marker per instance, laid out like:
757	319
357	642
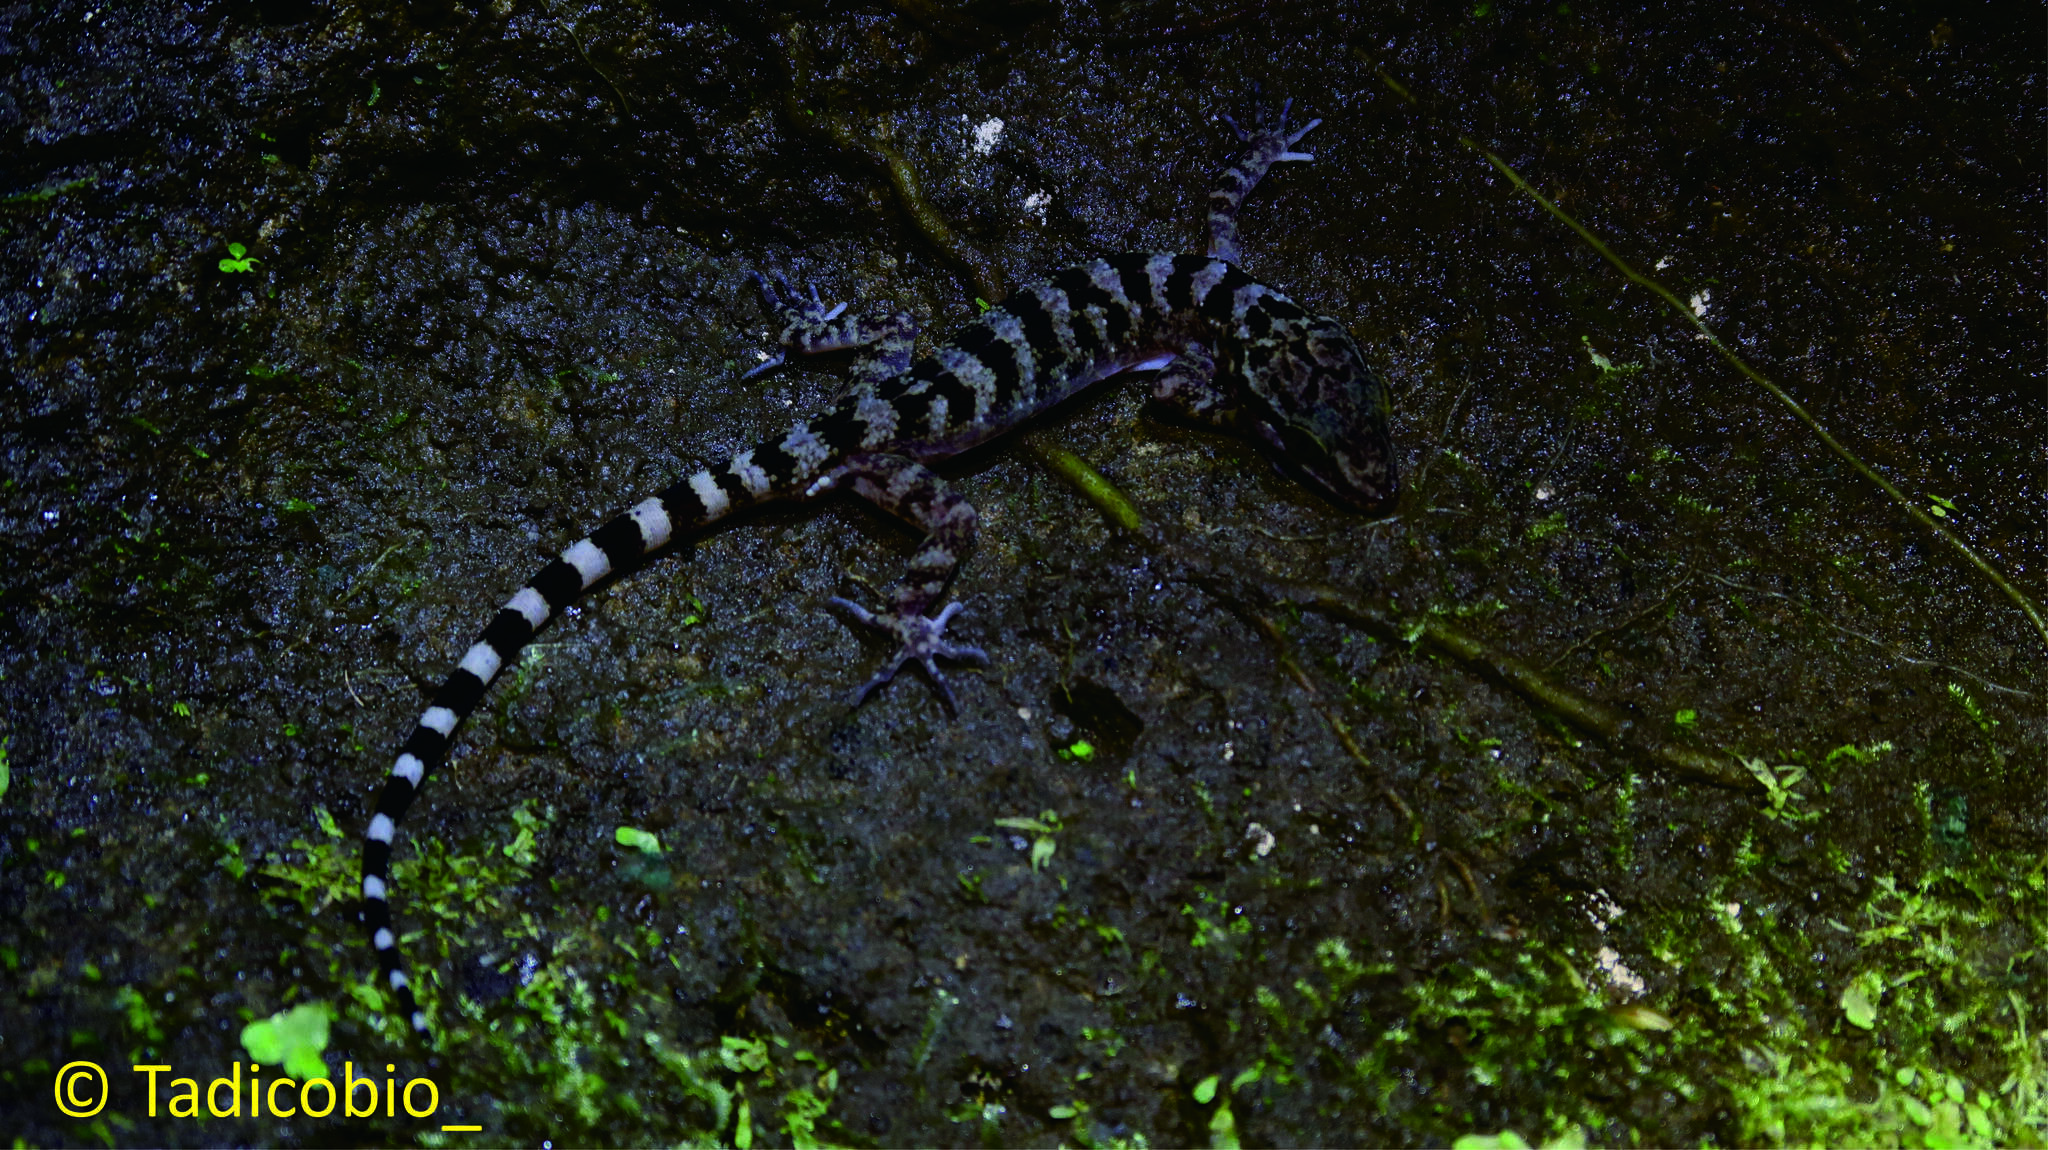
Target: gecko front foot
923	639
789	304
1275	140
1269	146
806	326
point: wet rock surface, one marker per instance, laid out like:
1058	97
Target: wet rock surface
325	324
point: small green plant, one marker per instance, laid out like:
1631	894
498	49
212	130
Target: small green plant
1860	998
696	613
1547	526
646	842
1112	1043
1505	1140
292	1039
1045	826
142	1020
1864	755
1969	705
1779	791
1686	718
1607	368
239	259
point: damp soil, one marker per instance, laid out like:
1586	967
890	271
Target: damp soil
1184	868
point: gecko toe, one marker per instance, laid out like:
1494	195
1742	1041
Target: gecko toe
769	364
860	614
963	654
942	688
860	695
789	305
1275	137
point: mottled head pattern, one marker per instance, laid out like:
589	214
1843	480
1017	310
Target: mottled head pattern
1313	399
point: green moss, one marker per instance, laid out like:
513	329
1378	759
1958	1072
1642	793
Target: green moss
1931	1037
589	1035
1547	526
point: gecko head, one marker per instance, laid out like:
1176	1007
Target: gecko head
1324	415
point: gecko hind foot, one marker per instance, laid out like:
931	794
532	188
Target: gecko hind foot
923	640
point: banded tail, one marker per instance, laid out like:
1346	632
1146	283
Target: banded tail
613	549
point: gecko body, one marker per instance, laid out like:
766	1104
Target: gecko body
1232	353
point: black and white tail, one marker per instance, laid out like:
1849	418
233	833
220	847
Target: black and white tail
611	550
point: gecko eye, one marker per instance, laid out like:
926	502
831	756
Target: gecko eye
1270	437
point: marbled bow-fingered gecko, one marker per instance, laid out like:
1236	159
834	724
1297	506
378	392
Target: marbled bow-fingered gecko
1235	354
